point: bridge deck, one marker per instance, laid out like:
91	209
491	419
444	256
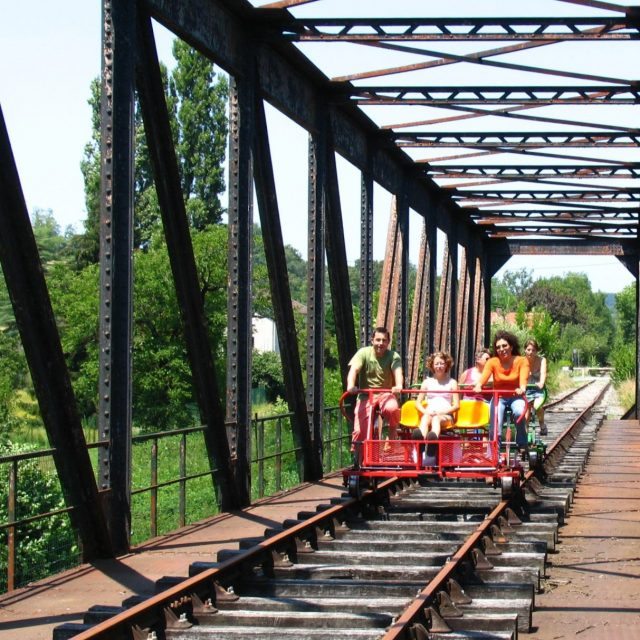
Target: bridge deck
65	597
591	589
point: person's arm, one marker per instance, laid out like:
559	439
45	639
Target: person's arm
524	377
399	380
487	372
421	396
352	376
543	373
455	400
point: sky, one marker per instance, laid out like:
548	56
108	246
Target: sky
50	52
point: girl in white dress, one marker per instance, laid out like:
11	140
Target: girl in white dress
441	405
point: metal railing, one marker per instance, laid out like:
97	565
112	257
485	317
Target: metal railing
168	491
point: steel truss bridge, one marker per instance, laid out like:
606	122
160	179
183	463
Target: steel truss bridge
506	135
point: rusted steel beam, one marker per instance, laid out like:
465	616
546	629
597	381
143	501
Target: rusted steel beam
596	247
468	29
315	293
37	326
291	83
239	308
530	172
116	263
337	268
183	267
366	258
550	232
442	320
517	139
390	281
281	293
463	313
419	314
481	58
402	333
478	309
446	95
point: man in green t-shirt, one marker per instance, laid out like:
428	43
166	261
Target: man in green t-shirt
375	367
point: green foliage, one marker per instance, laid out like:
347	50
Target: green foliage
200	128
44	546
623	361
625	305
508	291
266	371
545	332
196	101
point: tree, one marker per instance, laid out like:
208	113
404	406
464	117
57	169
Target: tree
561	306
508	291
625	305
196	101
200	128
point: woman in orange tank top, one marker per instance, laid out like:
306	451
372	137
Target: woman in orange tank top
510	372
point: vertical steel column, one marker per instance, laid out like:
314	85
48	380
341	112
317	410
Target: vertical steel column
478	306
464	312
116	258
239	331
453	329
402	335
432	258
486	275
419	313
338	270
315	289
390	280
442	322
41	343
183	265
281	293
366	258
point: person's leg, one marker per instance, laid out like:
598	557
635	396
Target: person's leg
390	411
538	406
519	407
361	418
496	421
436	425
425	425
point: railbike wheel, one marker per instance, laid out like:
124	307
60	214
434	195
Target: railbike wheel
506	486
354	485
533	459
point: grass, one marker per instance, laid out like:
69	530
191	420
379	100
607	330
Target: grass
626	391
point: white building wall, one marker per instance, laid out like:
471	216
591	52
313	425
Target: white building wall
265	336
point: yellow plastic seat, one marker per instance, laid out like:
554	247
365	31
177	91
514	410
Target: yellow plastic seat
409	414
472	414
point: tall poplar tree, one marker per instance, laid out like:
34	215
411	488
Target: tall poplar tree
196	100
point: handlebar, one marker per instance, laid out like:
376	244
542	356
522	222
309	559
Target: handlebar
462	390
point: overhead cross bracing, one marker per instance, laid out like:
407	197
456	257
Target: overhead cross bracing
554	101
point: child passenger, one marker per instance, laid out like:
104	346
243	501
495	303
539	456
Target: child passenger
441	404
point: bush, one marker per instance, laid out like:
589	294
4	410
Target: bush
44	546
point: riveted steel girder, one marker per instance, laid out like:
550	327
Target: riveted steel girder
37	326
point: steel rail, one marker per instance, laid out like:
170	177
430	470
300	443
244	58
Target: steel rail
208	584
419	610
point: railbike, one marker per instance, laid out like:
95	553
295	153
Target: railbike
466	449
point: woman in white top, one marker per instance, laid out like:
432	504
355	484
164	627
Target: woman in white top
441	405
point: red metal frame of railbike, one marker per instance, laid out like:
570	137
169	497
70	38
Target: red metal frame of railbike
468	454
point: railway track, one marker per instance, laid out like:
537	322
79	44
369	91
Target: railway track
412	559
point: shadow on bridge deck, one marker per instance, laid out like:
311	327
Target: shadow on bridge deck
33	611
